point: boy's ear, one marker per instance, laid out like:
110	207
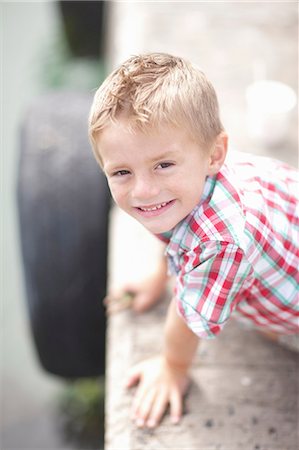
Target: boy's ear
218	153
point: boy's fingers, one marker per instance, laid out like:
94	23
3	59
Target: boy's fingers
118	302
138	397
116	307
176	407
112	295
116	298
143	406
158	409
133	376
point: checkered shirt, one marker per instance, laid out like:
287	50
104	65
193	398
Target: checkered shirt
237	252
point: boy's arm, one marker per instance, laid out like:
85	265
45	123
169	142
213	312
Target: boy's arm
163	380
180	342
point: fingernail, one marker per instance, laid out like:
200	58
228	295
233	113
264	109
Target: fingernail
175	420
139	422
151	423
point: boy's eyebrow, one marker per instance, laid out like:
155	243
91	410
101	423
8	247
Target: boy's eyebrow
111	167
165	155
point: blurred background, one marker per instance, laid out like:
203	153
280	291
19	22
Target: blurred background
54	55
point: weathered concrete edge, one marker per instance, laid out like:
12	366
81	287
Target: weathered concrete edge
128	243
117	402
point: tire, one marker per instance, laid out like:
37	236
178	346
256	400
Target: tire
84	27
63	203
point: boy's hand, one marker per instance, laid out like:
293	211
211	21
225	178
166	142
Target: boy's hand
119	300
139	296
160	384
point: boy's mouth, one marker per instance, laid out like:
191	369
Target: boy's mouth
151	210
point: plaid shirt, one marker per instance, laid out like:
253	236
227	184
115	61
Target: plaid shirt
238	250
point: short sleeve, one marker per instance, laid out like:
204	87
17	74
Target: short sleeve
209	285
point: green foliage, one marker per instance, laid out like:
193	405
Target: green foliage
81	413
60	70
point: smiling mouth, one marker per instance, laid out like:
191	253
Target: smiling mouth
153	210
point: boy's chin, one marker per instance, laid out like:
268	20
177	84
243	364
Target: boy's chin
157	229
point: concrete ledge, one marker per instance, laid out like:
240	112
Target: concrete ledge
244	393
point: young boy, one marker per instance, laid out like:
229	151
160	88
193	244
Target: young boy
231	227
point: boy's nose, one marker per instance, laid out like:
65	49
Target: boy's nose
145	189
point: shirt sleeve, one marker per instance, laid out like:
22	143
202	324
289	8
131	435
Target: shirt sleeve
209	285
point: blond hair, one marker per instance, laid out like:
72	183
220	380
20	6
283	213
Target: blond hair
155	89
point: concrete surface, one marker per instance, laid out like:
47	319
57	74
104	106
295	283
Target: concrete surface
244	393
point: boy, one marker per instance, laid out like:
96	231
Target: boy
231	228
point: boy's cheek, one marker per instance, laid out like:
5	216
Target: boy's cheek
116	197
112	187
119	196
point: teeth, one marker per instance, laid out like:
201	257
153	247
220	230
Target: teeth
154	208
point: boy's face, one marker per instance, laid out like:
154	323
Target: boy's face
156	178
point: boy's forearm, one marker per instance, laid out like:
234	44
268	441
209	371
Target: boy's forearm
180	342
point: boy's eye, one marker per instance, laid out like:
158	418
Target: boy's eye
164	165
120	173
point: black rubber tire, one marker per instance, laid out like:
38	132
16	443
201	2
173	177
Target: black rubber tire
84	27
63	203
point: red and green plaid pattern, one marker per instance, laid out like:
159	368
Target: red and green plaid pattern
238	251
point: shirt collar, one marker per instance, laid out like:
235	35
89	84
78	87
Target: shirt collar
178	233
